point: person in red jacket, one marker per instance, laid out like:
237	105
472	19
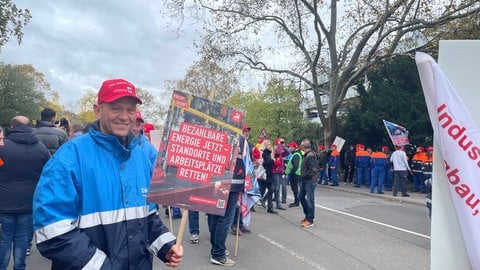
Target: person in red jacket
278	170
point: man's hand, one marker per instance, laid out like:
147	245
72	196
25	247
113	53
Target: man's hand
174	256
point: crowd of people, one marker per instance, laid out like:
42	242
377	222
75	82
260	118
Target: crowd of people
78	196
374	169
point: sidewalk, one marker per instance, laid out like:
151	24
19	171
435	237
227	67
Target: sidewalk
415	198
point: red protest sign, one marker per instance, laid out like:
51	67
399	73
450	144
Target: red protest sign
198	152
196	157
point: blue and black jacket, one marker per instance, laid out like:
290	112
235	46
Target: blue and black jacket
91	209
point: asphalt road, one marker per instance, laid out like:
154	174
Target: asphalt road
353	230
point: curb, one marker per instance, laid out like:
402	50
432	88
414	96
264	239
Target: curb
411	200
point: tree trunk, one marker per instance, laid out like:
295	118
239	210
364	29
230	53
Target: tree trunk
330	129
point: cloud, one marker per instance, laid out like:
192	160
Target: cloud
79	44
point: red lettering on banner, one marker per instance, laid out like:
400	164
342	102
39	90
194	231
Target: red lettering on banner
456	132
462	189
198	152
178	97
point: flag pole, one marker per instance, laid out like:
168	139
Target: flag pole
238	226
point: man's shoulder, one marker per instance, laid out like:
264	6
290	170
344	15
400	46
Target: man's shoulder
311	154
49	130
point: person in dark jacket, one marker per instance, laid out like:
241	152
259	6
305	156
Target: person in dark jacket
268	155
293	170
51	136
309	173
22	158
218	226
349	165
90	206
322	157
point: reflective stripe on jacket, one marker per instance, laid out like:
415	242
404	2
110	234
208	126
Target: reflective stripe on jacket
91	210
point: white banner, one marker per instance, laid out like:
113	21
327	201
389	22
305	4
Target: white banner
458	141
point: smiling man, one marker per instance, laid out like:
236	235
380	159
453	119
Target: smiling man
90	206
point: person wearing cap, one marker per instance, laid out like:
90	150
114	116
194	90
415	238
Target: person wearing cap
293	171
379	163
322	157
428	163
278	170
137	126
417	163
333	163
90	205
362	163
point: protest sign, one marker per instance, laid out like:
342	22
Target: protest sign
195	162
397	133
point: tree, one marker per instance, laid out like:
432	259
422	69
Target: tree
152	111
18	94
86	103
12	21
327	46
277	110
395	95
208	80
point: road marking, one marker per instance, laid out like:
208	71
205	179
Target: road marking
293	253
372	221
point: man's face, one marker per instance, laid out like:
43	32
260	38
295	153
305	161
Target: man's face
117	117
137	127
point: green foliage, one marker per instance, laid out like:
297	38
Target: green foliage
12	21
395	95
276	110
18	94
151	109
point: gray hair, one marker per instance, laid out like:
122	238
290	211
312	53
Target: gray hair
306	144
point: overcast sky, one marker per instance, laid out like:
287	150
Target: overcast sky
79	44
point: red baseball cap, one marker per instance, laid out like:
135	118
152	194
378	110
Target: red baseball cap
279	141
114	89
148	127
246	128
139	116
293	144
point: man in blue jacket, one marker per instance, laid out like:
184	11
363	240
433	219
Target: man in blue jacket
90	206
